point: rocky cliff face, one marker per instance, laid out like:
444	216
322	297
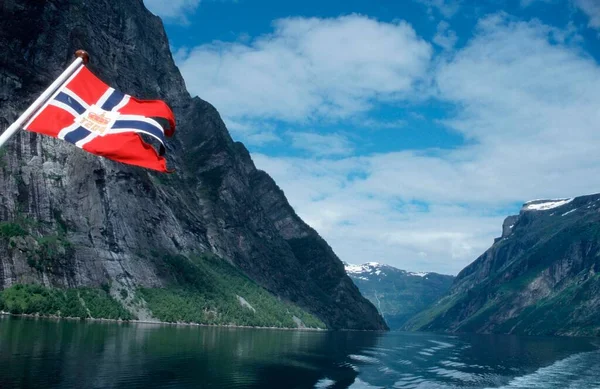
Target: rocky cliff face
540	277
106	222
398	294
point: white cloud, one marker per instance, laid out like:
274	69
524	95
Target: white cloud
445	37
172	9
592	9
532	123
309	68
321	145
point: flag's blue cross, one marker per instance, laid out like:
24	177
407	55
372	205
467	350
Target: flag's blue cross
109	102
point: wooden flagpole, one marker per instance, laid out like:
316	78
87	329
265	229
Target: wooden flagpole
82	58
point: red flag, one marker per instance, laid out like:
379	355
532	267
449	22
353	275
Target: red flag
103	121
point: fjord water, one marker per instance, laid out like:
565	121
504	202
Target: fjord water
42	353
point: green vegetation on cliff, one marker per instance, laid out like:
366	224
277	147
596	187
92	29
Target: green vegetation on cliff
77	302
206	289
44	252
9	230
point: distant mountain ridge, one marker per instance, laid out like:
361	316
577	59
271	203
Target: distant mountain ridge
398	294
540	277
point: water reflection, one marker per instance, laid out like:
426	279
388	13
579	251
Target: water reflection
45	353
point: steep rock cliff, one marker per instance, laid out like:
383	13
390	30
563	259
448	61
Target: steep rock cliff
540	277
112	223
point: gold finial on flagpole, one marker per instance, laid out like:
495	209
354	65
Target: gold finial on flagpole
85	57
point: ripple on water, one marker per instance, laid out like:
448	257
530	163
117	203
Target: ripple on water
455	374
580	371
375	352
409	381
363	358
387	370
442	345
348	365
453	363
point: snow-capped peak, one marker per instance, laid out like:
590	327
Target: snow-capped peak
364	268
378	271
544	205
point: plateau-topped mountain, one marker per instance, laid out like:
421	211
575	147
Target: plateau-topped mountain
96	236
398	294
541	277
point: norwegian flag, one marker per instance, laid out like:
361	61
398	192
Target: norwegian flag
103	121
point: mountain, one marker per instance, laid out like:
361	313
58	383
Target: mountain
178	247
398	294
541	277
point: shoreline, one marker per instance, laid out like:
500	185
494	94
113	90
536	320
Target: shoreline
158	322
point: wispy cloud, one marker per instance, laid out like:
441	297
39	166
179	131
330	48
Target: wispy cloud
592	9
173	10
447	8
321	145
527	3
379	124
445	37
253	133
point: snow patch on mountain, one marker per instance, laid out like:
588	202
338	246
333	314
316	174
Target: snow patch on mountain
544	205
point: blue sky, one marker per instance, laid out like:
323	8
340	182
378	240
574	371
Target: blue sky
403	131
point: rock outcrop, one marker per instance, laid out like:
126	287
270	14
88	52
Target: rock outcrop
539	278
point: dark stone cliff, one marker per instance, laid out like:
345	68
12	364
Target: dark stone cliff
118	219
541	277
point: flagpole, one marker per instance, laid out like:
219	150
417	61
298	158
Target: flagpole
82	58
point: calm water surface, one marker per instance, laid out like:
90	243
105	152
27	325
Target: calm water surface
71	354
